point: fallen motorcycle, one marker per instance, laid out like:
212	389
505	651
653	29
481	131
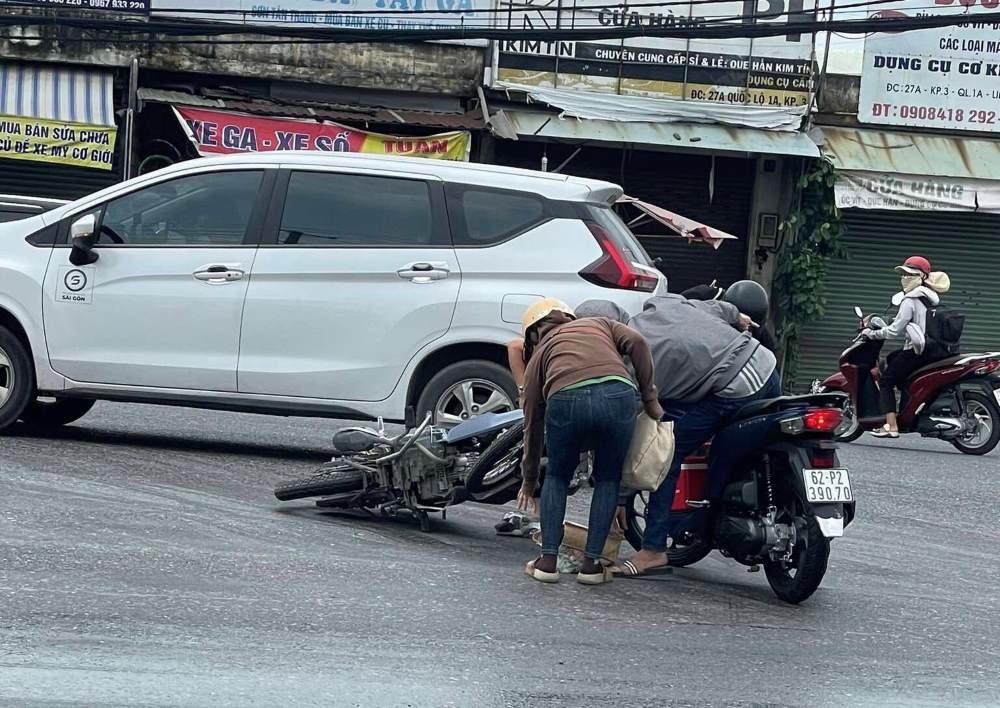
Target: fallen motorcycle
956	399
424	470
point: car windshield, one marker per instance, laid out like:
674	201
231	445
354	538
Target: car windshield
622	236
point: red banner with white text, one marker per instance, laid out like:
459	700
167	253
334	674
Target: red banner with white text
223	133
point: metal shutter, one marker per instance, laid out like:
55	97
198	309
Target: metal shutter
40	179
964	245
675	181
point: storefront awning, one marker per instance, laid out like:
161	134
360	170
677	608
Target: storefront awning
880	169
61	94
681	225
523	124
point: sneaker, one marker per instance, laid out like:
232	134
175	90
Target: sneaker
884	432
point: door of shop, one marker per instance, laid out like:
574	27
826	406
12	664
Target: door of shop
964	245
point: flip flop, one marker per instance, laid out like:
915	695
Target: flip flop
600	578
540	575
628	569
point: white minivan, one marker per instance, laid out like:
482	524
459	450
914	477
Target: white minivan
306	284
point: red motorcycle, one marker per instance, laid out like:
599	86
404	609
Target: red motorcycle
955	399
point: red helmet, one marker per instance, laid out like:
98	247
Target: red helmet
915	265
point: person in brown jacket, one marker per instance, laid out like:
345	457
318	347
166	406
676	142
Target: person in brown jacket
578	396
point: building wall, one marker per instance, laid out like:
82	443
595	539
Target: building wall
442	69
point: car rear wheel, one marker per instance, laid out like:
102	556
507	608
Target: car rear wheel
465	390
17	378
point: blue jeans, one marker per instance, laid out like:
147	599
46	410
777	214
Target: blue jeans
599	418
695	424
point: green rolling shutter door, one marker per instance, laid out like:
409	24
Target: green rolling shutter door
964	245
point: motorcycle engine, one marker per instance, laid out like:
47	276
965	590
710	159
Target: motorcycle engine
744	534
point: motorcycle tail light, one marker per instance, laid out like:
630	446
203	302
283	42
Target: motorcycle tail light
820	420
988	368
823	420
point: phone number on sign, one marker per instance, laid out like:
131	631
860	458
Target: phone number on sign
931	113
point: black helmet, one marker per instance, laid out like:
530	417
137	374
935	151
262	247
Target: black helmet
750	298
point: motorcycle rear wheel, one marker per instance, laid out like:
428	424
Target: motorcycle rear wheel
982	407
337	478
796	582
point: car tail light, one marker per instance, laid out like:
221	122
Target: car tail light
613	269
819	420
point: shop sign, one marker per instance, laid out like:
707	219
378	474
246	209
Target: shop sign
946	78
765	71
130	7
889	190
224	133
386	15
65	143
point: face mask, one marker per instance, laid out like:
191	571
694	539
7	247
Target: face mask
910	282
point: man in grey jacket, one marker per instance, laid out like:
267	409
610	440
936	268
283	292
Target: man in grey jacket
707	366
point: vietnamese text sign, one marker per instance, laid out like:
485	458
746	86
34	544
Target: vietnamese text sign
888	190
946	78
124	6
222	133
388	15
56	141
766	71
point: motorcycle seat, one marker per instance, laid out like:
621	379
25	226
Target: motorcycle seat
784	403
939	364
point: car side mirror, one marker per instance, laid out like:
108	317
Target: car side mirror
858	312
83	235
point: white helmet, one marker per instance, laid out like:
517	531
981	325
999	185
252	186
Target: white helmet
542	309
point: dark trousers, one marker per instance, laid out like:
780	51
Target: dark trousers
599	418
900	365
695	424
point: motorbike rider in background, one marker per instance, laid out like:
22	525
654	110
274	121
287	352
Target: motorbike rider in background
921	290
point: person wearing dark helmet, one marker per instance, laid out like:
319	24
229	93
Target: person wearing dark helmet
755	298
707	367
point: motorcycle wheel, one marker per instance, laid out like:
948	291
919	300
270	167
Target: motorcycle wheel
853	429
338	478
492	479
635	526
796	581
987	435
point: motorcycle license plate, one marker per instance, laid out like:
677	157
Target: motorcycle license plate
827	486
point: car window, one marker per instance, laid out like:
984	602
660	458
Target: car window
491	216
201	210
330	209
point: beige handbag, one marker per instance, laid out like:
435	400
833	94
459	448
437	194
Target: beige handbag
649	455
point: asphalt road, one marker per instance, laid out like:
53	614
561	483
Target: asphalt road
143	561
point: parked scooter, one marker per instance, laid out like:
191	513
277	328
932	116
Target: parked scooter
955	399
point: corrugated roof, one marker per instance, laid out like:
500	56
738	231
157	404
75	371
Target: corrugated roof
340	113
689	136
912	153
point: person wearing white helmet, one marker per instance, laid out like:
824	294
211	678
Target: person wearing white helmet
578	396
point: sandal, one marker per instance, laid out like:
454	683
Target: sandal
601	577
541	576
884	432
628	569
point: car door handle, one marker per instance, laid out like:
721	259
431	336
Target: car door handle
219	274
424	272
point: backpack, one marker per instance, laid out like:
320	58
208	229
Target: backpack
943	331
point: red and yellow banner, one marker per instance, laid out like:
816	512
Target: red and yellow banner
224	133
